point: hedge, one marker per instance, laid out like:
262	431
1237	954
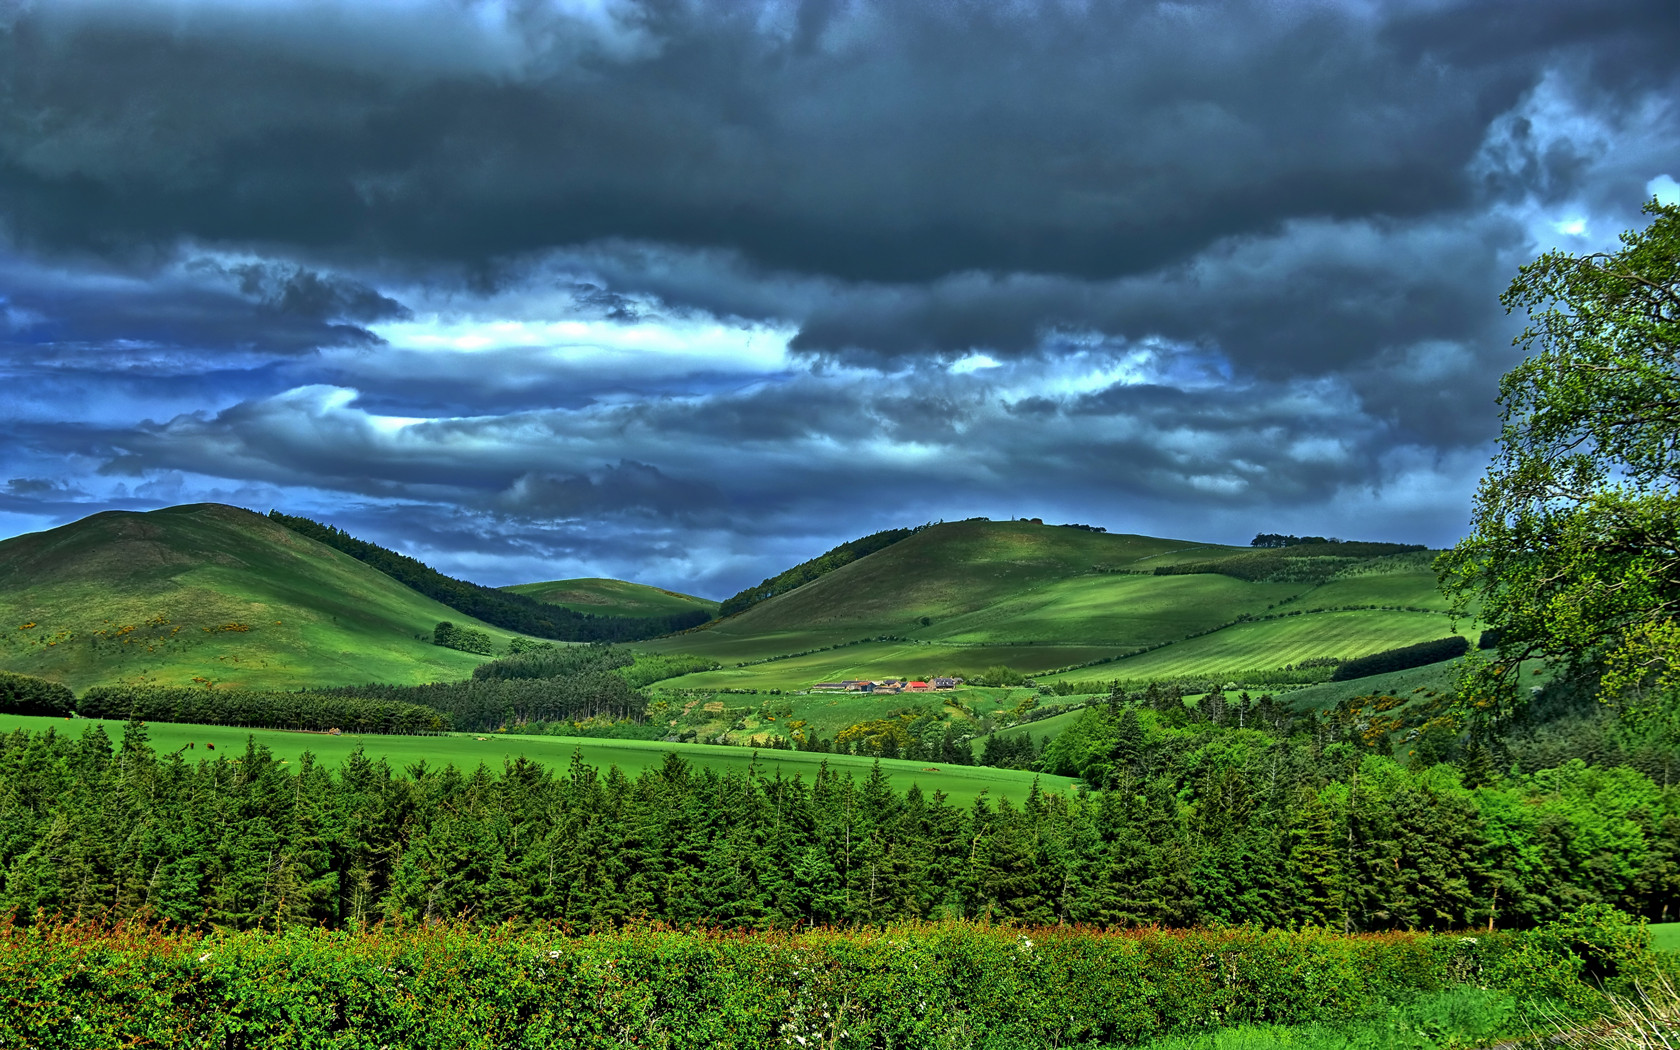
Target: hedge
69	984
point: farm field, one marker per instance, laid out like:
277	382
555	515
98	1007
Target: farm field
945	571
603	597
1275	643
965	596
961	784
212	592
881	659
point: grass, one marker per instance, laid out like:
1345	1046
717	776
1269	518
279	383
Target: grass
601	597
1041	730
965	596
962	785
1275	643
1456	1017
1665	936
161	597
880	660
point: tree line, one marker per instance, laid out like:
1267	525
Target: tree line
351	711
508	610
25	694
1200	828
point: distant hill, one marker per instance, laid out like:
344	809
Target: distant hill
815	568
602	597
964	596
211	593
507	609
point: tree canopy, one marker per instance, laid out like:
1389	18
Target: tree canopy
1575	553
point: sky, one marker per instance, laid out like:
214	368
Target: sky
687	291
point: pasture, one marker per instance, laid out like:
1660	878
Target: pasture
1665	936
603	597
212	593
1275	643
961	784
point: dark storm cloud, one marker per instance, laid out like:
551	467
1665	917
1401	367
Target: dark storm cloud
626	486
892	141
507	284
192	317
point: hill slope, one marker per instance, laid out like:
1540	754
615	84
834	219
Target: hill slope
964	596
602	597
211	592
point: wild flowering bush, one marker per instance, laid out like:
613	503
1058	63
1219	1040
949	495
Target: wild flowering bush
70	984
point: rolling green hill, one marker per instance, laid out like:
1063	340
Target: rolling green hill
211	593
964	596
614	597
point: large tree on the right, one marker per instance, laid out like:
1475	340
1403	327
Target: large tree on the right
1575	549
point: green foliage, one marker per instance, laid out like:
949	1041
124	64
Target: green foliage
1576	545
511	610
806	571
1205	824
657	667
1420	655
465	639
22	694
1000	676
239	707
74	985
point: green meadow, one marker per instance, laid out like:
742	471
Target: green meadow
1276	643
601	597
961	784
212	593
962	597
1665	936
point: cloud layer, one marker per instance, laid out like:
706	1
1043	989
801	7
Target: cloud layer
682	291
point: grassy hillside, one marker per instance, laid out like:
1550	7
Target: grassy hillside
613	597
962	784
213	593
965	596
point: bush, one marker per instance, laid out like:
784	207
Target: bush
238	707
74	985
1420	655
23	694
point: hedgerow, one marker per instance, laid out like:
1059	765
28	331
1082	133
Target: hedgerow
71	985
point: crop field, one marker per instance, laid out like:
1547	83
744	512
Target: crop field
880	660
216	593
1415	591
1121	612
972	595
961	784
1274	643
600	597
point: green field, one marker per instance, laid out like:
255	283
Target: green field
212	592
1275	643
959	598
1041	730
601	597
1665	936
961	784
